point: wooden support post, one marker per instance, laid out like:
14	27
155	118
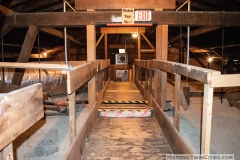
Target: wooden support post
206	119
163	87
91	56
150	81
157	78
177	89
137	73
162	42
7	153
25	53
91	43
105	46
146	79
139	46
72	115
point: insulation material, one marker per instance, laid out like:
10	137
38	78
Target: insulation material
125	113
54	82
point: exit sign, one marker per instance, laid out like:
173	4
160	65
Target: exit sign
143	15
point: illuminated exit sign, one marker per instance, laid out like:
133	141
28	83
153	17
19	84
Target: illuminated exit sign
143	15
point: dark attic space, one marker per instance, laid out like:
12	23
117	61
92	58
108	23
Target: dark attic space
119	80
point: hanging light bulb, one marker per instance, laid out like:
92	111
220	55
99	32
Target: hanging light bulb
45	54
210	59
135	35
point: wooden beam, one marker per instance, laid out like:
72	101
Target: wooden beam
106	46
130	46
25	54
91	43
176	113
59	34
201	74
80	75
139	46
35	66
91	56
15	116
149	43
100	38
206	120
162	42
227	80
195	32
5	10
109	4
122	30
72	19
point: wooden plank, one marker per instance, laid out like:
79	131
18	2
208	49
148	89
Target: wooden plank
15	116
175	140
99	39
130	46
25	53
80	75
122	30
114	138
4	30
7	153
149	43
176	113
71	19
59	34
227	80
201	74
36	66
72	116
91	4
206	119
161	42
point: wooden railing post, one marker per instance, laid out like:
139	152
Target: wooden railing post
157	78
206	119
146	79
177	89
150	81
72	115
163	87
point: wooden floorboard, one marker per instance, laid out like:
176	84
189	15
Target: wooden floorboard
126	138
123	91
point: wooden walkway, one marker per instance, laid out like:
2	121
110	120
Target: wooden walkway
126	139
123	91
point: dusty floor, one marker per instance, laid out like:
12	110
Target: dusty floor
225	135
126	138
